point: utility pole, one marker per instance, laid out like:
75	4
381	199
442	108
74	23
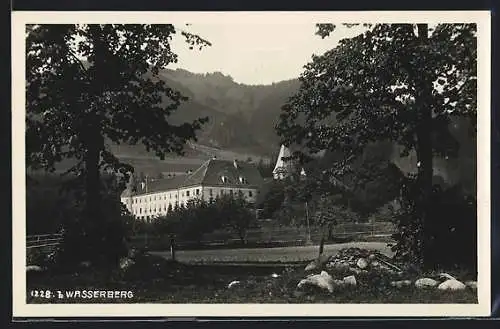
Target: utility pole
303	177
308	239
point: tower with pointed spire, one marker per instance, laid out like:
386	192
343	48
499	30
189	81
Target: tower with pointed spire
284	166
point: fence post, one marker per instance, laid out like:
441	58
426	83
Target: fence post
172	248
321	245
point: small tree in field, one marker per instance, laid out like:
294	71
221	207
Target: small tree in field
88	85
242	217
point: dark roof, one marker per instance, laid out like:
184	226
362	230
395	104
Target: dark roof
209	173
165	184
127	193
157	185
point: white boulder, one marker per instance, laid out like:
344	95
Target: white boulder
34	268
312	266
426	283
451	284
362	263
471	284
322	280
233	283
446	276
401	283
350	280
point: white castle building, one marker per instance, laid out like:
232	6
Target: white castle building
213	178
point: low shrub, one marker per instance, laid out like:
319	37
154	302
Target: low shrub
448	236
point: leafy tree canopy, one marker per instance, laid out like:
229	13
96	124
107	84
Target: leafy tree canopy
394	82
88	84
371	87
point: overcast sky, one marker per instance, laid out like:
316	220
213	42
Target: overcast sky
257	53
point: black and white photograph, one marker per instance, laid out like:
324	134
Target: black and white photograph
251	164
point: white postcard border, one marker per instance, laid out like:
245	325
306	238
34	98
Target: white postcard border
22	309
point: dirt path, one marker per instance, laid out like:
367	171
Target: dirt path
267	255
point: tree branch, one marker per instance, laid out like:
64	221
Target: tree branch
73	55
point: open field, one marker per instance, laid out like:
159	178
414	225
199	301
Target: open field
267	255
268	235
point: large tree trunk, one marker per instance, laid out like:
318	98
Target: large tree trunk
92	213
424	129
424	141
94	143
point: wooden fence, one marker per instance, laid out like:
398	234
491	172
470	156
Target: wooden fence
277	236
43	240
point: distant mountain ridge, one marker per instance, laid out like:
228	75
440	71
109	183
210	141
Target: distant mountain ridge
242	119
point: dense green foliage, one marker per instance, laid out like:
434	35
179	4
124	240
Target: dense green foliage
56	204
87	85
450	237
198	217
401	83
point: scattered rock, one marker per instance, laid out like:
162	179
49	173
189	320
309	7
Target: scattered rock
471	284
312	266
339	266
390	266
396	284
322	280
339	283
85	264
350	280
34	268
425	283
133	252
126	263
355	270
361	259
317	264
451	284
362	263
446	276
401	283
232	284
406	283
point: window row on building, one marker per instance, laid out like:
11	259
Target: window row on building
189	193
152	205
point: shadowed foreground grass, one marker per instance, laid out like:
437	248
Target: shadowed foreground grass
153	279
